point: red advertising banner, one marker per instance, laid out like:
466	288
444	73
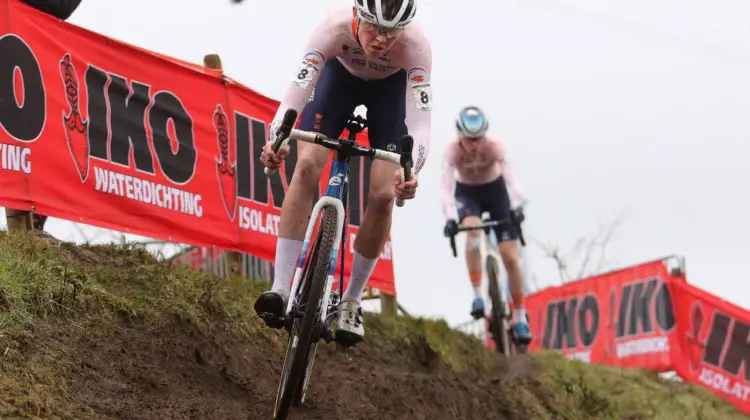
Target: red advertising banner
621	318
100	132
711	345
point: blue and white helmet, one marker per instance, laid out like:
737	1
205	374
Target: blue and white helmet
387	13
471	123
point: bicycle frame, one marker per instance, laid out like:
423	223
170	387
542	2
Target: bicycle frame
338	180
312	321
334	195
490	250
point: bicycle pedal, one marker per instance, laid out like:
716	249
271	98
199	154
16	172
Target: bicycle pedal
327	335
272	321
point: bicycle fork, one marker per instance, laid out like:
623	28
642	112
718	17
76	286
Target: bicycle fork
324	201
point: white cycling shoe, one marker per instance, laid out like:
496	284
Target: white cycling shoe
350	328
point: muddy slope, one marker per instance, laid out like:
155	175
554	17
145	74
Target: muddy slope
112	333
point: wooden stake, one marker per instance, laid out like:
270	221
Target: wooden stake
388	305
18	220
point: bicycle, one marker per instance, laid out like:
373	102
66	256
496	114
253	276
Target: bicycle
305	318
499	314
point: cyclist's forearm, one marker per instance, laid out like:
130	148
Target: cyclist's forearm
418	119
418	102
515	192
277	119
421	135
448	185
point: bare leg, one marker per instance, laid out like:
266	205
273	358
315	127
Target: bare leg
374	229
509	252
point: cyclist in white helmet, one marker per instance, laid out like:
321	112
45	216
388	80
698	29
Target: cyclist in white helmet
370	53
477	178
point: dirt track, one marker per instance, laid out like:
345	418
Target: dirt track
111	333
175	373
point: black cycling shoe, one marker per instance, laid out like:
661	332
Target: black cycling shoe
270	308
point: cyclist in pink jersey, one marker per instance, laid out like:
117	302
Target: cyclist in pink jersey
477	178
369	54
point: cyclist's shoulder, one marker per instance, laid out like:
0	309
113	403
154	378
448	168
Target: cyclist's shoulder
339	13
337	19
452	149
496	145
493	139
414	40
415	34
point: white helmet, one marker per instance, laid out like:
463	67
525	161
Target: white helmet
387	13
471	123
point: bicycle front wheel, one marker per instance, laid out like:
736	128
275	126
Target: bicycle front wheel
497	312
298	357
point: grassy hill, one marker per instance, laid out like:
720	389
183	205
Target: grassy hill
110	332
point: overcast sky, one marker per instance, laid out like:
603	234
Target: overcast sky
638	108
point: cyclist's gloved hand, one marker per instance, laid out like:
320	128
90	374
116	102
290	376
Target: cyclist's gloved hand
517	215
451	228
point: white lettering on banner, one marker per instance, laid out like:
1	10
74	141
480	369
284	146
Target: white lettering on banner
387	253
15	158
267	223
583	356
258	221
643	346
724	384
148	192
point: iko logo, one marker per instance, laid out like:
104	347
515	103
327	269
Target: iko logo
644	306
725	345
571	322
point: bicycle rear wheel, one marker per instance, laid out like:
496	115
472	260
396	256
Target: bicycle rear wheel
300	344
497	312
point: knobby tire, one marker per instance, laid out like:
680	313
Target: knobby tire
313	287
497	311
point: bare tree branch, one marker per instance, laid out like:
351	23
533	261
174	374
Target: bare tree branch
553	252
605	242
594	248
576	248
589	250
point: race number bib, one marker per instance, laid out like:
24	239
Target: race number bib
310	65
422	96
421	88
305	74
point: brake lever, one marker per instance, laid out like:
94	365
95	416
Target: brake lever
406	163
520	236
453	245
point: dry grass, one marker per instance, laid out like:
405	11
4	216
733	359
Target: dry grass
52	289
